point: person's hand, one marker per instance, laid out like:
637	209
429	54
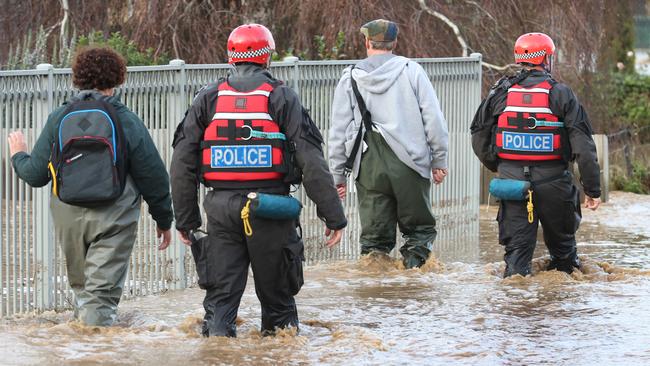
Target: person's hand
334	237
439	175
341	189
164	238
16	143
185	239
592	203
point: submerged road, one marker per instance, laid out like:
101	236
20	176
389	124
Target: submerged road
373	312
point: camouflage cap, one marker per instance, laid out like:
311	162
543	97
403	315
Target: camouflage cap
380	30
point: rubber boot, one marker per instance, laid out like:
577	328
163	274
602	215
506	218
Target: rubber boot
564	265
219	321
413	261
518	261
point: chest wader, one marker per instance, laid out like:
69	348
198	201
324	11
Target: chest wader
97	244
244	147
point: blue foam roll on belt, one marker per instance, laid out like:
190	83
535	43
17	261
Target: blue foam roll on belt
275	207
509	189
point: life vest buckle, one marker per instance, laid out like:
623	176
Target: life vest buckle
250	132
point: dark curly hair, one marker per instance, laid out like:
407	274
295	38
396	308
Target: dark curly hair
98	68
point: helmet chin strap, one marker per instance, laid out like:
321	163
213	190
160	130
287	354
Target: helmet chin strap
548	64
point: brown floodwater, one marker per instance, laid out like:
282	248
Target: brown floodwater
373	312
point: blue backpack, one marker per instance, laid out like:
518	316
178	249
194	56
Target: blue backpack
88	164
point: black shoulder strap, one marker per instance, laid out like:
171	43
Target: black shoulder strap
365	113
503	84
275	83
367	121
220	81
515	79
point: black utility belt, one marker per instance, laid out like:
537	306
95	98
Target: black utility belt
519	190
532	164
246	186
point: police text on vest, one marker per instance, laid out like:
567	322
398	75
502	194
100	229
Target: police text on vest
538	142
241	156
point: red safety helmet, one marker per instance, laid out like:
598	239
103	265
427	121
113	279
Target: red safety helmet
250	43
533	48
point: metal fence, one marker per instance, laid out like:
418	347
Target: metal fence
32	269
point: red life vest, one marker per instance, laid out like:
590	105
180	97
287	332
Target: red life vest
230	152
527	129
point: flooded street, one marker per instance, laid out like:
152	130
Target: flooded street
373	312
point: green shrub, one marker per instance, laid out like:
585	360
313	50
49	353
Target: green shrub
33	50
126	47
631	96
639	182
333	53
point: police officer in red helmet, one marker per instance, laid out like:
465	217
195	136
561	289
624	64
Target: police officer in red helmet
529	129
247	137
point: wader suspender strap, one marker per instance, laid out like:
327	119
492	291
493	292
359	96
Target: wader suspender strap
367	121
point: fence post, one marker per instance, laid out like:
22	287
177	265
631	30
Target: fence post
602	150
178	102
44	242
296	73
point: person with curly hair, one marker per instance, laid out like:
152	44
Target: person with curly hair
97	242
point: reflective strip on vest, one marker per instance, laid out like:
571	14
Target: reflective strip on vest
528	110
242	115
235	93
531	90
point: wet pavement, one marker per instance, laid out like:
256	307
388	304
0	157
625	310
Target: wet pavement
373	312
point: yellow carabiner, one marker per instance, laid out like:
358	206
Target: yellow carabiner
245	213
53	172
529	206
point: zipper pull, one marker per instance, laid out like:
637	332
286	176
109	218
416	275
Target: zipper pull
73	158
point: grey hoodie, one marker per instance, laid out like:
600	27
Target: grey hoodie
404	108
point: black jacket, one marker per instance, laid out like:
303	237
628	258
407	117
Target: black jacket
565	106
295	123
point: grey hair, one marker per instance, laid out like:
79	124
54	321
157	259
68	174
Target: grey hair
384	46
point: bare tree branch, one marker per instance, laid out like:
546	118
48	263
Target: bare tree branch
449	23
460	38
499	68
175	41
64	22
477	5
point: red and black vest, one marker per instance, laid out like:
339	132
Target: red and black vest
527	129
243	143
